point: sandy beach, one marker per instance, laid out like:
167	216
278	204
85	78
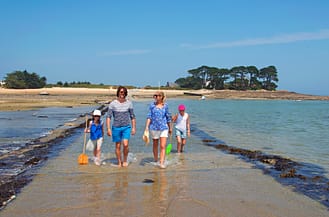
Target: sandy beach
22	99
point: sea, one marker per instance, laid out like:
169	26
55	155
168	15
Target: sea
292	129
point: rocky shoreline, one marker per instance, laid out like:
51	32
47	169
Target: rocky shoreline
30	157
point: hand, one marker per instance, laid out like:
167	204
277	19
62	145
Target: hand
133	131
109	132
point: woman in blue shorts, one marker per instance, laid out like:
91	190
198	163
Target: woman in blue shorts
123	124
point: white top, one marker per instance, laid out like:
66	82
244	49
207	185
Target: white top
181	121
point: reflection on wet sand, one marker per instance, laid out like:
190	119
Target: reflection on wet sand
192	187
120	193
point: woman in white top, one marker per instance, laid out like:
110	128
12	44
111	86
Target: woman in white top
182	127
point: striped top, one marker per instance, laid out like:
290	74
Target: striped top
121	113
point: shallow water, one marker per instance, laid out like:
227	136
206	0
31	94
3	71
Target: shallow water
200	182
289	128
294	129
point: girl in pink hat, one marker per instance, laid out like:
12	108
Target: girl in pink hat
182	127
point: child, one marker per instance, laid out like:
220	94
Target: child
96	130
182	127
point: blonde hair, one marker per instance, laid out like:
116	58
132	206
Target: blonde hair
162	94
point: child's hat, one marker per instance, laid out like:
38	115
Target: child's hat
181	107
97	113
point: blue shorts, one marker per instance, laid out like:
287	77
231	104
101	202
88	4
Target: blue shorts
180	133
121	133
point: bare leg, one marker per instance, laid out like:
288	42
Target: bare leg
125	152
118	152
183	144
98	153
179	144
163	142
95	151
155	149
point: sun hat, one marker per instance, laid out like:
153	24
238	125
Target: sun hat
97	113
146	137
181	107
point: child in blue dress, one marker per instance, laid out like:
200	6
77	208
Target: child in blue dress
96	130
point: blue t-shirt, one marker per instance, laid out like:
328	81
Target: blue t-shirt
160	117
96	131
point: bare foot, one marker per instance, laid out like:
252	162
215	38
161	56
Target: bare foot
125	164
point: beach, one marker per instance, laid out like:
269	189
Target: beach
221	187
201	182
22	99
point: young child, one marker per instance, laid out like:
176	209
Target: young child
96	130
182	127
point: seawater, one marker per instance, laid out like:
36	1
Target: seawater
293	129
20	127
297	130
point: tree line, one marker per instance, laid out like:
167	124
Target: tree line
236	78
24	80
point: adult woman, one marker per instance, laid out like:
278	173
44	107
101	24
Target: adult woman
158	124
124	123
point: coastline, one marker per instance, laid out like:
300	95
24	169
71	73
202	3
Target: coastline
254	195
26	99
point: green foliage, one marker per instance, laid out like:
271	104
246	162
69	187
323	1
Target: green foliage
24	80
236	78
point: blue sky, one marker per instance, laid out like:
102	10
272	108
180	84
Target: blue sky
141	42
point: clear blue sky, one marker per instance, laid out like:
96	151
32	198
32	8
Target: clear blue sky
141	42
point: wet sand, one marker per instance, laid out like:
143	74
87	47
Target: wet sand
221	186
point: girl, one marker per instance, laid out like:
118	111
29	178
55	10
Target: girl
182	127
96	131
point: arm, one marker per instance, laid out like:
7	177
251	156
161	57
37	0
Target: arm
132	118
169	119
148	118
188	127
174	118
103	130
133	123
108	126
87	129
147	124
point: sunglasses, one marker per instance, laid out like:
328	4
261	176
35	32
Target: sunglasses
156	95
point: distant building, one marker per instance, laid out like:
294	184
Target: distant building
171	84
2	83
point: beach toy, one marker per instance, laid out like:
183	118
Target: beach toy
83	158
169	146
